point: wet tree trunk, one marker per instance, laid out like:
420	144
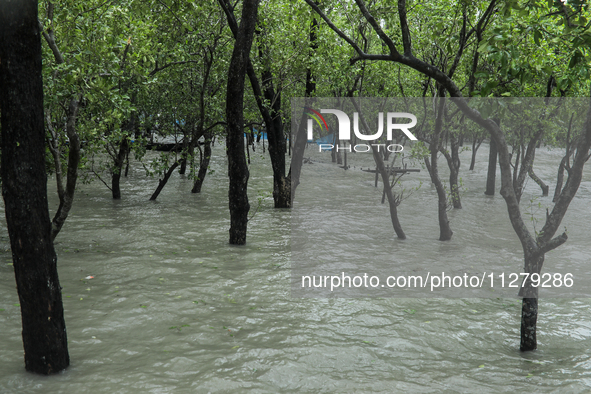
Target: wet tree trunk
445	232
271	115
24	188
162	182
237	167
385	174
475	145
492	169
545	188
118	167
393	204
66	195
185	153
559	179
203	164
453	162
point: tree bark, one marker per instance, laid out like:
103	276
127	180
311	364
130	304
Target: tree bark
203	164
492	169
162	182
445	232
453	162
545	188
475	145
118	167
67	197
24	188
237	167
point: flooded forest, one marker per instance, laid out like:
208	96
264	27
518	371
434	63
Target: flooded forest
295	196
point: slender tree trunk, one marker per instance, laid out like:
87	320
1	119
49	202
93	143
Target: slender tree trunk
67	196
453	162
475	145
24	188
185	153
118	167
162	182
237	167
385	174
559	179
445	232
545	188
492	169
203	165
300	139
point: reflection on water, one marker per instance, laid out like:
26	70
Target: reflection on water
173	308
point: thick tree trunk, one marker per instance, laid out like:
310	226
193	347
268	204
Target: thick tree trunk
24	188
237	167
529	319
492	169
529	307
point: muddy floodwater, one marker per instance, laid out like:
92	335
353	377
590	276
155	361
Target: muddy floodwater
157	301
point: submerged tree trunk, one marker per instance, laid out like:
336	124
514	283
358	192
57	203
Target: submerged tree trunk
237	167
118	167
203	165
559	179
385	174
393	205
492	168
475	145
445	232
453	162
300	139
162	182
24	188
66	195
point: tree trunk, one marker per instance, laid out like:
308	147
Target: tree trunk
559	179
118	166
203	165
445	232
162	182
453	162
529	319
24	188
237	167
492	169
300	140
67	197
475	145
545	188
385	174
